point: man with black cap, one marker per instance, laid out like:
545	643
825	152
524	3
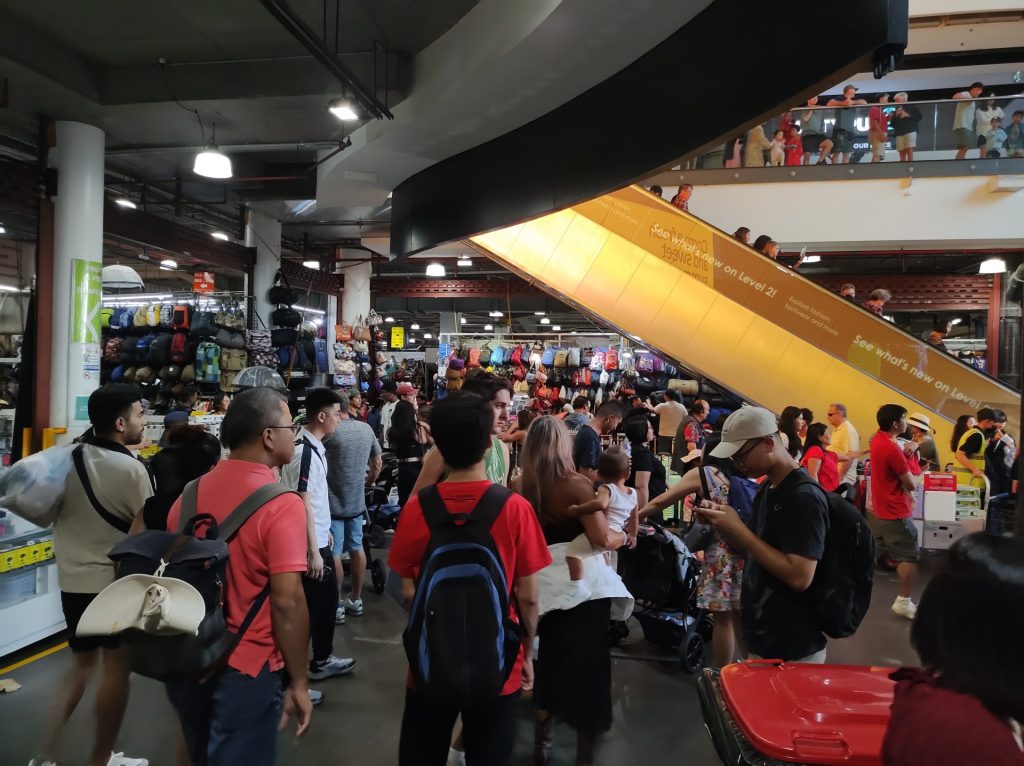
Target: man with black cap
389	392
784	541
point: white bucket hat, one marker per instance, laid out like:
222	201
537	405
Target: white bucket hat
155	605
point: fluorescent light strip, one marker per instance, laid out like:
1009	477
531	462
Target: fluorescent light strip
137	297
10	289
305	310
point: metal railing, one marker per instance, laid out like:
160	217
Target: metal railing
914	131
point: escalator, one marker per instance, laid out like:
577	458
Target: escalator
717	307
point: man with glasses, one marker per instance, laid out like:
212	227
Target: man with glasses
845	439
307	474
784	541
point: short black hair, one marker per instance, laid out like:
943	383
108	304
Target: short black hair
808	415
986	413
580	403
251	412
485	385
672	396
983	582
111	402
319	399
760	242
1019	111
610	410
461	426
612	464
975	85
999	416
635	429
889	414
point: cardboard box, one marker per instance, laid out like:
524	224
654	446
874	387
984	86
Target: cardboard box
940	536
939	506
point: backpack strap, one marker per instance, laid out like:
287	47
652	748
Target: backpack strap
485	512
117	523
233	522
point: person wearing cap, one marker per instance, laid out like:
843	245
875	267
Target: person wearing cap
922	433
408	392
102	505
388	392
999	454
783	543
963	120
845	128
894	479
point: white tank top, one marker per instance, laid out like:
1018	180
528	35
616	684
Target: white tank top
621	506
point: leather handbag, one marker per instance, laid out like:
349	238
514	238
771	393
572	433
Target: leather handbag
281	293
286	317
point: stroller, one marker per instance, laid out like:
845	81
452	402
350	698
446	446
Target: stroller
662	575
380	516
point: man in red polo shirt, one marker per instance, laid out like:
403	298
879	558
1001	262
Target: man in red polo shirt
893	481
462	432
234	718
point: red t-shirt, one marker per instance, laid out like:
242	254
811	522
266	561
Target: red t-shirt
272	541
888	498
516	533
828	471
879	114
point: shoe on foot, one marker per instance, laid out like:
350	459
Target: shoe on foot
456	757
120	759
316	697
905	607
355	608
339	615
574	594
332	666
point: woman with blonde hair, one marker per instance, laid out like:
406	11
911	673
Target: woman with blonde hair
572	677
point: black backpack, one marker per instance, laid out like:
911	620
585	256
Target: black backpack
845	575
460	642
202	563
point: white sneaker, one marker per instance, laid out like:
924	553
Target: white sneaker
332	666
455	757
41	762
316	697
120	759
339	615
355	608
905	607
573	594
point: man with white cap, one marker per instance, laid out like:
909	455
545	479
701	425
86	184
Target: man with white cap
784	541
921	430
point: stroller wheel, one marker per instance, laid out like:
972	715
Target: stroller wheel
377	537
691	653
705	628
378	576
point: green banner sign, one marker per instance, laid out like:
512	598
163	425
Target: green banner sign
87	291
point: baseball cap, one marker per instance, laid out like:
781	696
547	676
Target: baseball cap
921	421
389	385
173	418
743	425
404	389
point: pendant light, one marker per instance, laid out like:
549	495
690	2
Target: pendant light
211	162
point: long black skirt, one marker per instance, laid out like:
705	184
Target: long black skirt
573	672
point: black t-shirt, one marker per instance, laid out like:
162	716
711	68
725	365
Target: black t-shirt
586	448
778	622
645	460
975	444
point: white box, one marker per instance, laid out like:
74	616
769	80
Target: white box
940	506
940	535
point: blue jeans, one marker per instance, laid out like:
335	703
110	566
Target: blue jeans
230	720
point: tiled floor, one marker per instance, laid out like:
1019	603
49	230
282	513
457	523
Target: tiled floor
657	715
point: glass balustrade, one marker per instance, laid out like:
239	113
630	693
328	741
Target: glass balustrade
909	131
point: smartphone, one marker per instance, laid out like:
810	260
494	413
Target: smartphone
704	483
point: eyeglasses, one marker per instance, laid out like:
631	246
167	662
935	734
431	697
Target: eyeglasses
293	428
831	414
741	456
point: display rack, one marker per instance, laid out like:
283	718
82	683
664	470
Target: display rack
30	607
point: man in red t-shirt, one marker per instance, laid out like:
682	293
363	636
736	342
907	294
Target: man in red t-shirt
234	718
878	128
893	481
462	433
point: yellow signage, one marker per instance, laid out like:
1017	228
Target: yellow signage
397	337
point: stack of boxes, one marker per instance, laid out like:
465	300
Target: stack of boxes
948	511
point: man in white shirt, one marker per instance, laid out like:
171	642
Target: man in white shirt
389	392
307	474
103	502
844	439
670	414
963	120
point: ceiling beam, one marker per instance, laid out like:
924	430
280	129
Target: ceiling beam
451	288
39	53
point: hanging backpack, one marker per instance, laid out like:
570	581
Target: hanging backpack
105	315
141	317
574	357
517	355
208	362
460	641
282	294
180	317
160	350
180	348
153	315
597	360
561	358
485	355
645	363
498	355
233	359
166	314
161	645
547	357
142	347
611	359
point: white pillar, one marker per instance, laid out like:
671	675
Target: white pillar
355	298
263	233
77	268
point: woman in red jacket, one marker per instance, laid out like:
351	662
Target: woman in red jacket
964	706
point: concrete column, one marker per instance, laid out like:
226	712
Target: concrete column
355	298
77	267
263	233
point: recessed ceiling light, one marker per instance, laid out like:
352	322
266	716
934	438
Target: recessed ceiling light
414	326
464	262
812	259
488	327
212	163
311	264
545	320
427	335
435	270
389	319
574	333
538	313
556	327
344	109
3	230
169	263
125	202
220	235
495	314
462	320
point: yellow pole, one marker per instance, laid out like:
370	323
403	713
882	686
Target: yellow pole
26	442
50	436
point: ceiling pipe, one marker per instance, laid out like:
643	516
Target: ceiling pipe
294	146
291	21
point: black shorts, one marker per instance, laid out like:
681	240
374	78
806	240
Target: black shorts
843	140
74	606
812	141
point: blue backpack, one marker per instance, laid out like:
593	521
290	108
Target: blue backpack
460	641
741	496
498	356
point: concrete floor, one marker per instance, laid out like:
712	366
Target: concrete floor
657	714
